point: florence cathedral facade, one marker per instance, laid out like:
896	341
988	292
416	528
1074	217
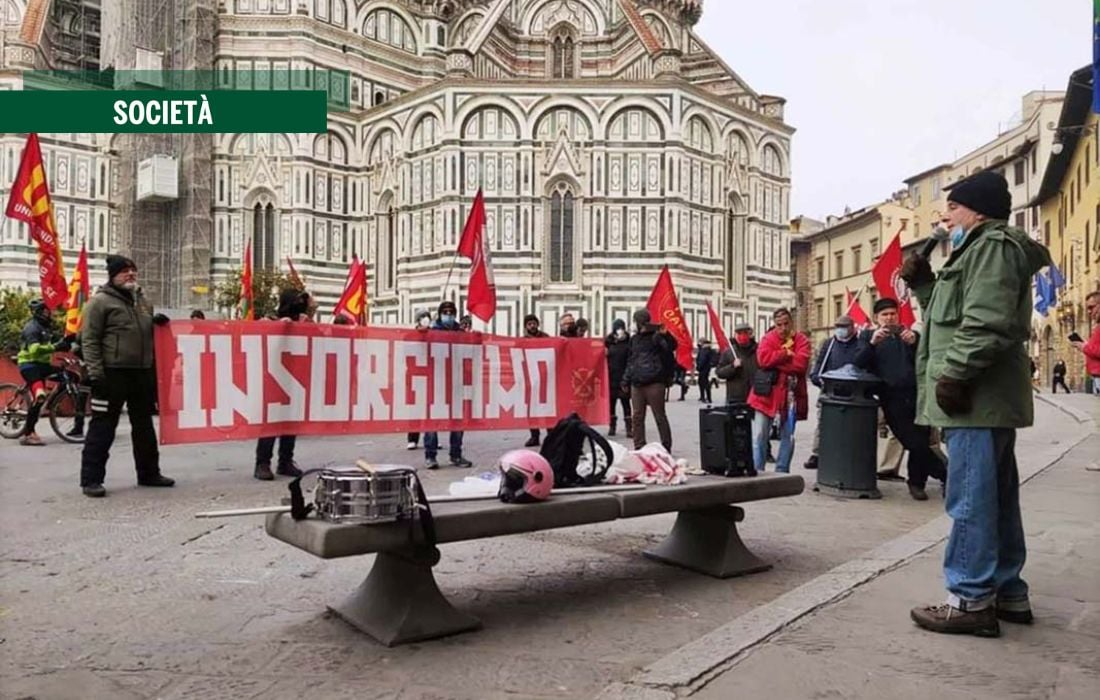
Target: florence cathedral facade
608	138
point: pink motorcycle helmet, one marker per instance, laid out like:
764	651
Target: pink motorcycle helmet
525	477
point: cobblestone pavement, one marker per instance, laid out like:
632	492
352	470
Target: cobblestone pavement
132	597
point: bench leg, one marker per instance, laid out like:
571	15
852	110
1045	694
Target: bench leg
707	541
399	602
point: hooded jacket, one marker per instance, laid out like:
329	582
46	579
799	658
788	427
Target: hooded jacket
977	323
618	352
36	344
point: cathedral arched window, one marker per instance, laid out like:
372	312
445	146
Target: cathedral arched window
635	124
263	236
331	11
563	120
388	27
562	234
771	162
699	135
563	52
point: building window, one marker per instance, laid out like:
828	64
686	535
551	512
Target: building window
391	249
914	194
735	240
1046	234
263	236
819	312
820	264
838	306
1018	172
563	59
838	265
857	259
1021	220
916	230
562	216
874	249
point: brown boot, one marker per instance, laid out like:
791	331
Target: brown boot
948	620
263	471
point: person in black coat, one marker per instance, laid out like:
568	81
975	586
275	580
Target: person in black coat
834	353
618	352
1059	378
531	330
652	350
889	351
705	360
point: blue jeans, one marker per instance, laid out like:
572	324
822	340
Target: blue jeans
986	550
761	427
431	444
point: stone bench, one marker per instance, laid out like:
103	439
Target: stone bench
399	602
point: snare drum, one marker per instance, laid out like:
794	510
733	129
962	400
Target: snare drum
352	496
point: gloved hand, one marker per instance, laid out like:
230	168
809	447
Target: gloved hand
953	396
917	271
64	344
160	319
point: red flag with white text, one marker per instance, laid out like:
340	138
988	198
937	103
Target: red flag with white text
30	202
887	276
481	294
664	308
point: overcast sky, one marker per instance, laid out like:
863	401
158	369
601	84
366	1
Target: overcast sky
882	89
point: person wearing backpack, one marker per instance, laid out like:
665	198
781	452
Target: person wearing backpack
783	358
647	374
618	351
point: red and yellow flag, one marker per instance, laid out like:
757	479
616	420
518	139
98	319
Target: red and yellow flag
664	308
246	307
79	291
30	203
353	302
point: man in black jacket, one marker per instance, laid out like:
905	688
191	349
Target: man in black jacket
834	353
646	376
889	351
618	352
705	360
1059	377
737	364
531	330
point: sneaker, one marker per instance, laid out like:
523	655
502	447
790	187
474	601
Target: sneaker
532	441
75	433
411	446
461	462
94	491
811	463
431	463
31	440
263	471
288	468
948	620
918	493
157	480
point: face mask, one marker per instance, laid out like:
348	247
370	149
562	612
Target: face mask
842	333
424	322
957	235
620	333
743	338
447	318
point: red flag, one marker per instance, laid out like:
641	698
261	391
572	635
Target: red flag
353	302
246	306
481	296
30	203
887	275
664	307
294	277
79	291
855	311
716	325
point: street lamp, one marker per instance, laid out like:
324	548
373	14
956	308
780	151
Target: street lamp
1075	129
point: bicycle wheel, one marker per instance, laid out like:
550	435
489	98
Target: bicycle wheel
69	411
15	401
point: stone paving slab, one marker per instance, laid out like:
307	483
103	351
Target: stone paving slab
135	593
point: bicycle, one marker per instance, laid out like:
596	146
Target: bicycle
68	404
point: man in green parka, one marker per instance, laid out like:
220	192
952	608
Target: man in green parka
973	382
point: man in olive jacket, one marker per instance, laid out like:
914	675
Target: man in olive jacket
117	340
972	381
737	364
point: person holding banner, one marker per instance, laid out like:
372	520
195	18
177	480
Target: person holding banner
652	351
295	306
783	358
116	337
446	321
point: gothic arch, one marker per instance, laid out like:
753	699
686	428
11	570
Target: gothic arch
735	132
665	34
650	105
696	112
411	25
531	12
372	133
283	144
471	106
14	11
416	117
329	143
465	27
551	103
780	154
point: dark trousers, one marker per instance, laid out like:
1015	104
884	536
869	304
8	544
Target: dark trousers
1059	382
414	437
900	409
431	444
623	401
649	396
265	448
35	374
129	387
704	386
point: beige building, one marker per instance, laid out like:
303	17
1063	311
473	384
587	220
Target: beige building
1068	202
837	257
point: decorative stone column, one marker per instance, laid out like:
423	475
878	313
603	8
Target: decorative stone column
666	64
460	63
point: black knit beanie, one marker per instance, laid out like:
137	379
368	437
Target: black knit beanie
985	192
885	303
118	263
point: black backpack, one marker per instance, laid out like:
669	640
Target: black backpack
563	447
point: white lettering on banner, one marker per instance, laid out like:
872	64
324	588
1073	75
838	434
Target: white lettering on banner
403	408
544	357
463	391
441	404
295	407
191	413
501	399
372	374
228	397
338	410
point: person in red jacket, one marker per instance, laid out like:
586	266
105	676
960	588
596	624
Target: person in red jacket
783	358
1091	349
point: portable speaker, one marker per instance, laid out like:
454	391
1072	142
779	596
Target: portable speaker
725	440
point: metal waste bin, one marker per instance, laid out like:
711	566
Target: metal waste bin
848	456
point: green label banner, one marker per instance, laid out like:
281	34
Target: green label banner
163	112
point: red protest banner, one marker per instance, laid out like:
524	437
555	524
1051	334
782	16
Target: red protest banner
230	380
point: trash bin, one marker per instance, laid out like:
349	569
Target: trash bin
848	457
